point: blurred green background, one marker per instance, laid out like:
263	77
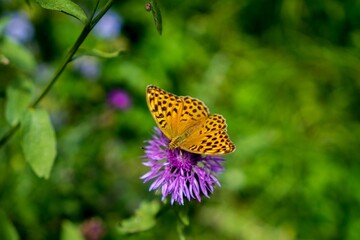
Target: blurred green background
284	74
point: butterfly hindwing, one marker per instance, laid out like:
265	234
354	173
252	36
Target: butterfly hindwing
211	138
193	113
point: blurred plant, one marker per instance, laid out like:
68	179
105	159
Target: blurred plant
40	152
179	173
88	67
93	229
119	99
43	72
109	26
152	6
19	28
143	219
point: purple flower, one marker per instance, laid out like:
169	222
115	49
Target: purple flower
119	99
19	28
109	26
179	173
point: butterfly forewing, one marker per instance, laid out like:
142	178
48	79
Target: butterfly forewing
165	109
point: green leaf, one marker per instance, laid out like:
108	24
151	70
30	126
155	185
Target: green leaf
143	219
180	227
184	217
97	53
17	55
8	231
38	143
65	6
18	96
70	231
155	10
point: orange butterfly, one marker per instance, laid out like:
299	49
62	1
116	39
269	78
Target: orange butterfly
186	121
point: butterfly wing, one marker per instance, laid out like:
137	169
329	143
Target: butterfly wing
193	113
211	138
165	108
175	115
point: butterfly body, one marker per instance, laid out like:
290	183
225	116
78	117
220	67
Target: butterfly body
178	140
186	121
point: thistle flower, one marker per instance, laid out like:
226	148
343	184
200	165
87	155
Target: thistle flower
179	173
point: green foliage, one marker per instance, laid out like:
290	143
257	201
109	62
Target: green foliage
18	95
143	219
156	13
66	6
39	143
18	55
70	231
8	232
97	53
184	217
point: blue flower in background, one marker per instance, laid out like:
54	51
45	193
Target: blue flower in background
88	67
19	28
109	26
44	72
179	173
119	99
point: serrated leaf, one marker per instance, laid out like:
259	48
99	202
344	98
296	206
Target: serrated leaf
65	6
38	143
70	231
155	10
17	55
143	219
8	231
18	96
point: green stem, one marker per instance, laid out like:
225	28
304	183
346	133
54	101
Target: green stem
69	56
9	134
67	59
101	13
94	10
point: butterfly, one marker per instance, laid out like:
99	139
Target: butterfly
187	123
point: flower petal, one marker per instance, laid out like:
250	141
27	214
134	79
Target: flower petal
178	173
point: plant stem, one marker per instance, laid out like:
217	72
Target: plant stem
94	10
8	134
69	56
67	59
96	19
